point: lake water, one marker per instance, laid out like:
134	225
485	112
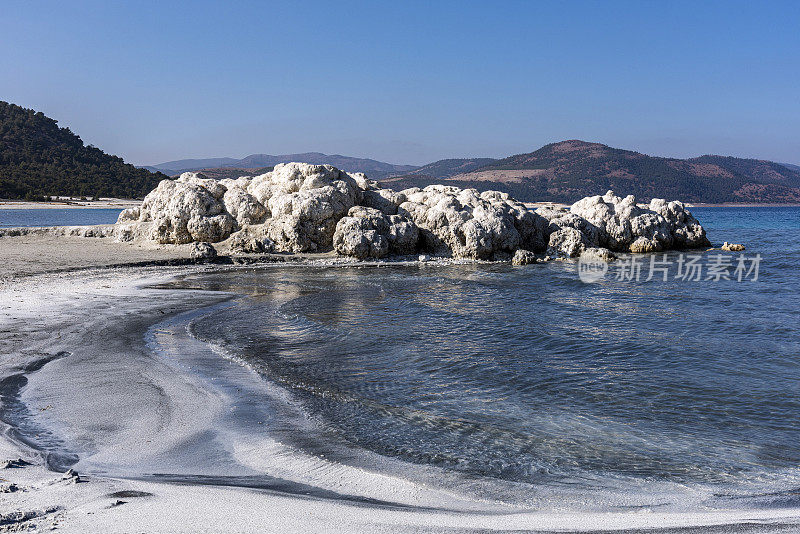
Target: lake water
527	385
10	218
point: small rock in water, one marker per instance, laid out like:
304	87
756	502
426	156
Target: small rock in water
732	247
524	257
202	251
598	253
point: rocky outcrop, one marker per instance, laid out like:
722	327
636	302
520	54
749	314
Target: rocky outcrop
251	241
316	208
184	210
370	233
300	205
567	234
598	254
567	242
626	226
202	251
732	247
524	257
305	202
467	224
243	206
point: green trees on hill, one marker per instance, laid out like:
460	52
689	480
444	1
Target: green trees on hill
39	159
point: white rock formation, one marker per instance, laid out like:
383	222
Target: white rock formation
202	251
305	202
567	242
185	210
243	206
299	204
686	231
626	226
369	233
732	247
315	208
467	224
568	234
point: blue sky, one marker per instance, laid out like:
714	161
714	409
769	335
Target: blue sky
409	82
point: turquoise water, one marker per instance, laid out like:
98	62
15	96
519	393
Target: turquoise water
526	381
57	217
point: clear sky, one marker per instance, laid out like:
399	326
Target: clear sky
409	82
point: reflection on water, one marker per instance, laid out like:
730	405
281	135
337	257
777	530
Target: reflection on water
528	375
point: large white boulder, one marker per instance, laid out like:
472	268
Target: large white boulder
686	231
567	242
179	209
369	233
467	224
305	202
560	218
626	226
243	206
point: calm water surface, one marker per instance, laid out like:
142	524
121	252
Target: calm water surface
10	218
527	378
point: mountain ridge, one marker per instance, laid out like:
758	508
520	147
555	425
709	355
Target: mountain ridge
568	170
371	167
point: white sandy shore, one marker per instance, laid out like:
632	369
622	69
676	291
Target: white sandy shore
127	411
70	203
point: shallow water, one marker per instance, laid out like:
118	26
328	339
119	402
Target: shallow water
11	218
528	381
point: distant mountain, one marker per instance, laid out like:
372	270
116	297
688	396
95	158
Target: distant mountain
218	173
372	168
570	170
445	168
148	168
38	158
184	165
791	166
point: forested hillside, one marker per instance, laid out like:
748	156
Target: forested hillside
39	159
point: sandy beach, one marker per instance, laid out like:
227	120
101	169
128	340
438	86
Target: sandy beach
82	389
